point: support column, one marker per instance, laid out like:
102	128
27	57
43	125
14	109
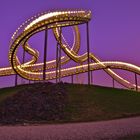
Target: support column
136	82
16	78
23	61
91	75
60	55
88	60
57	62
72	79
58	59
45	53
113	82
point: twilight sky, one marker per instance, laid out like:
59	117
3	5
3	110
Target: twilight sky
114	31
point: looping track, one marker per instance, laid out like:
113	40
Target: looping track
54	20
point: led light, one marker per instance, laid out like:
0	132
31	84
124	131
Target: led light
30	70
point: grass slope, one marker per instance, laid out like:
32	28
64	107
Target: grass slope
92	103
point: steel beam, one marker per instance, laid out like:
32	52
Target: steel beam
45	53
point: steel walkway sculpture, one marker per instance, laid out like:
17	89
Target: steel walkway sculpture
56	20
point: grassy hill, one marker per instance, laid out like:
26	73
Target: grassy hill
92	103
88	103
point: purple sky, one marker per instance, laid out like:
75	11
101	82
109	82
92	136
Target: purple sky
114	30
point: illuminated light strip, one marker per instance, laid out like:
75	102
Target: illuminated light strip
56	19
95	59
17	41
64	59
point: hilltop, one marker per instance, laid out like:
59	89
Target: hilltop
63	102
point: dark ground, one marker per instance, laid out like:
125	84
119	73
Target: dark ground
40	102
